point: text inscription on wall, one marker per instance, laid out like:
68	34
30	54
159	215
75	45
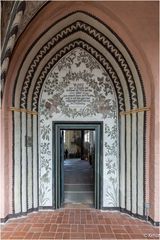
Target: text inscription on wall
78	94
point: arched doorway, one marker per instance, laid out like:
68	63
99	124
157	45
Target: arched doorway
119	98
79	89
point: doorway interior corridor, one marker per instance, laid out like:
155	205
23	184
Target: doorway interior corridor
79	157
77	163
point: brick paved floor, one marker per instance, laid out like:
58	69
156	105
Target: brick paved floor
78	224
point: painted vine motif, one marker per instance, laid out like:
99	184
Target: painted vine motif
93	88
111	161
78	88
45	164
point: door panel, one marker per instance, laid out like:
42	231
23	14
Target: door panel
62	167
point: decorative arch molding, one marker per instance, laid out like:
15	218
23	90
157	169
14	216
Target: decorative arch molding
97	55
120	54
106	47
17	12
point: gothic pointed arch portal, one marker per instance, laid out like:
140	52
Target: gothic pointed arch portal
77	71
78	89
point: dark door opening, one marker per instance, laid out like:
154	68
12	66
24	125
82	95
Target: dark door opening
78	168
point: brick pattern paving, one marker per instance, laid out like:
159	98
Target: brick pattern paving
78	224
